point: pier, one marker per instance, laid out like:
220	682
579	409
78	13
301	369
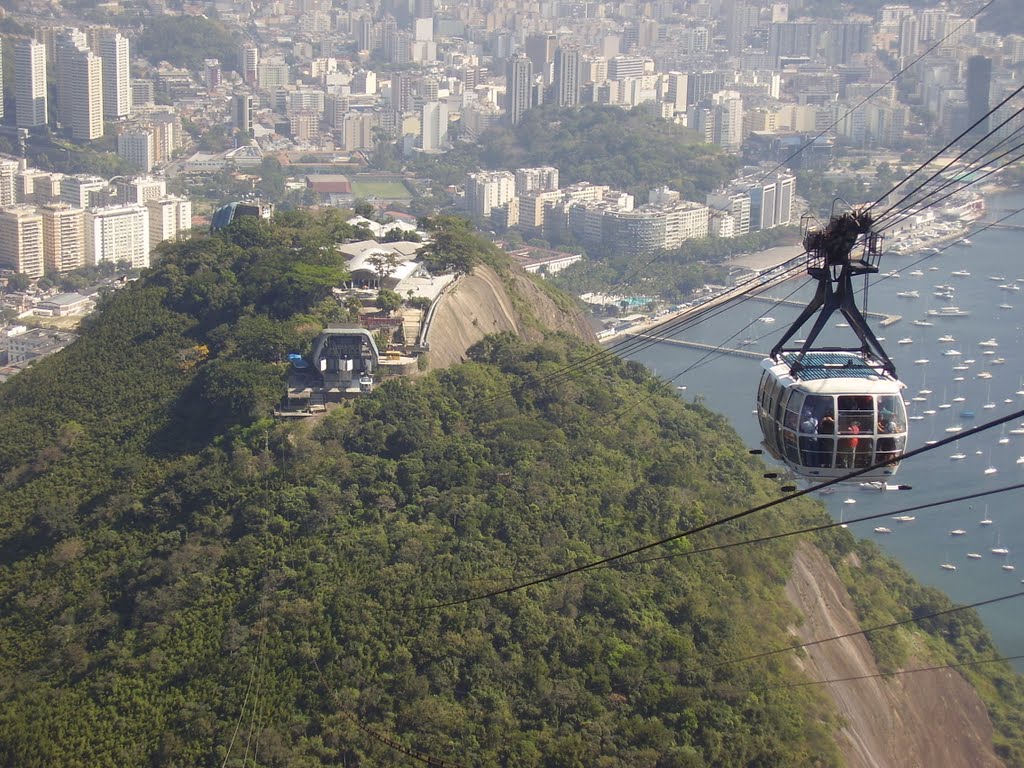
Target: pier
697	345
883	319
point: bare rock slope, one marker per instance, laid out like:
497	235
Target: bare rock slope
481	304
905	721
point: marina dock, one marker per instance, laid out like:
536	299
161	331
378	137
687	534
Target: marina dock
883	319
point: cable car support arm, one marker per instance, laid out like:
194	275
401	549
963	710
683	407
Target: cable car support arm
832	262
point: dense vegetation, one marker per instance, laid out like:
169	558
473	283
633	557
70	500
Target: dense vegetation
183	577
672	275
633	151
185	41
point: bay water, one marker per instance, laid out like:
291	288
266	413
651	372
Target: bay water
994	259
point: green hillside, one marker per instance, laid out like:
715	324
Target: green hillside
187	583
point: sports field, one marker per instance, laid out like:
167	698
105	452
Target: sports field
388	190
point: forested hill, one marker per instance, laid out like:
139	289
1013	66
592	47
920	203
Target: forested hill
185	583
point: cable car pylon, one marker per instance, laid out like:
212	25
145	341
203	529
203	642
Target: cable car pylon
832	262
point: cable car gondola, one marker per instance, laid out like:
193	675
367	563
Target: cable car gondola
826	411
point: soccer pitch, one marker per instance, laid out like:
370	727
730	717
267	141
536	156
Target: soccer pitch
388	190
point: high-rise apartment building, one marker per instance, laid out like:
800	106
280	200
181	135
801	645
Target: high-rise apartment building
518	87
487	190
401	92
434	127
621	67
249	63
21	240
8	181
29	83
211	74
63	237
541	179
568	67
169	218
242	109
979	88
81	83
117	234
135	146
540	49
69	43
140	189
117	85
83	191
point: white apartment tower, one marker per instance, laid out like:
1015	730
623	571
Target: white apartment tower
63	237
487	190
541	179
81	78
8	181
29	83
434	127
117	234
21	240
169	218
70	43
140	189
568	67
249	63
117	83
518	87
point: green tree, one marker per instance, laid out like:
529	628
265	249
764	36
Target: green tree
388	301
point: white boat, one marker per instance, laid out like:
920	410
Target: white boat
1008	567
984	375
961	367
991	471
883	529
948	567
988	343
947	339
909	295
960	273
842	325
1020	459
998	361
950	311
958	532
955	428
952	353
1006	306
922	323
1010	287
959	399
1001	551
964	242
958	456
929	412
921	361
997	278
916	273
974	555
766	319
905	340
849	501
904	518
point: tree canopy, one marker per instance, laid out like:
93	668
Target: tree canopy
183	576
634	151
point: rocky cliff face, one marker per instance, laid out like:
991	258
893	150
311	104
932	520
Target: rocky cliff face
904	721
484	302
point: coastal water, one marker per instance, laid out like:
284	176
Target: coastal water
728	383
